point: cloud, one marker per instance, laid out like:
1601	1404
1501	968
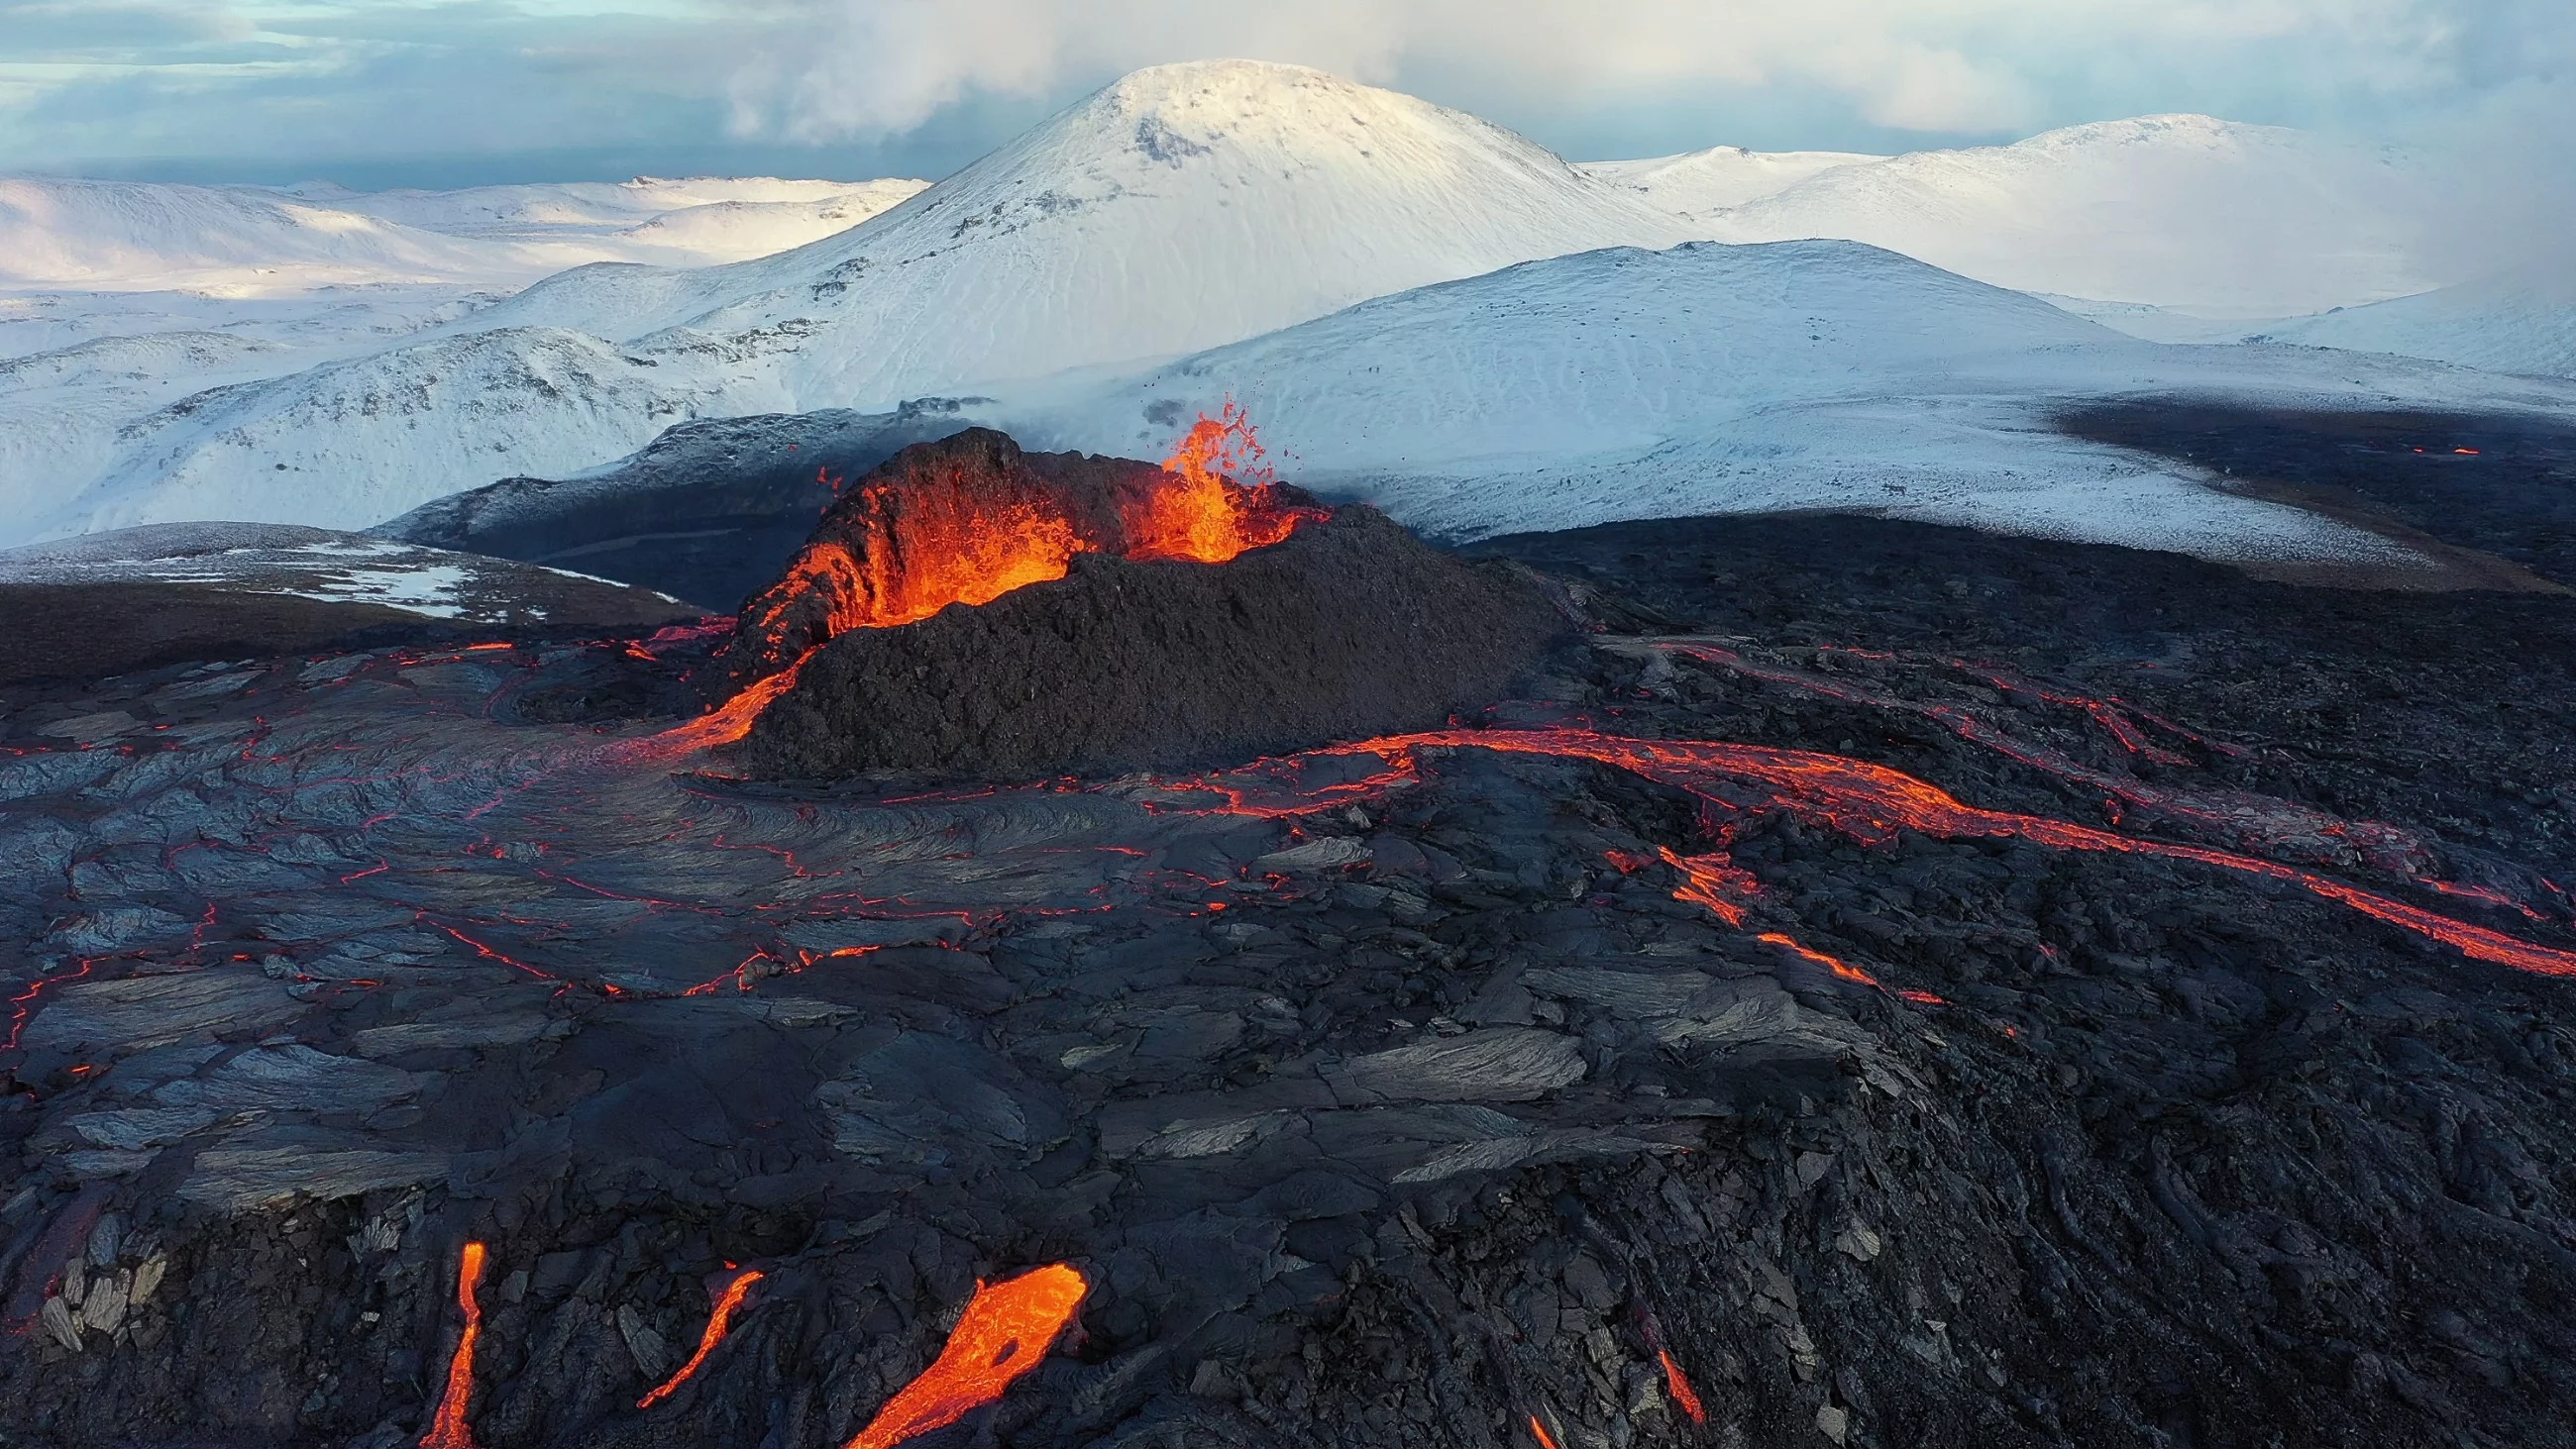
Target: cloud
869	67
88	83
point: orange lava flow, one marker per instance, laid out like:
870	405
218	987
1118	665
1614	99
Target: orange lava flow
728	723
1835	964
1872	803
1546	1440
1209	514
447	1426
1713	881
1007	1330
1678	1385
727	1303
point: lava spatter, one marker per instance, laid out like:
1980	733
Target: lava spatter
1006	1331
447	1423
1226	498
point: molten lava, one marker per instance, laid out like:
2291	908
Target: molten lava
1678	1384
1835	964
1713	881
447	1426
727	1304
1007	1329
1208	514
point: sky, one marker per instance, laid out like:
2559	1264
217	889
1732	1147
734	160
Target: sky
460	92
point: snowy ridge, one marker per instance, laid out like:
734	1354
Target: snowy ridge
2176	211
135	236
1697	182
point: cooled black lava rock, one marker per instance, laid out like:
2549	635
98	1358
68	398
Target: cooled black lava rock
1350	627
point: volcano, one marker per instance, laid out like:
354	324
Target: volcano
975	610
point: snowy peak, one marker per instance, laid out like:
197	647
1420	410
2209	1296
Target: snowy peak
1182	207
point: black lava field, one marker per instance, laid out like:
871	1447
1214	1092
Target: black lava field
1873	985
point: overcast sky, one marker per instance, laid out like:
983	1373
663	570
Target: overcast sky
453	92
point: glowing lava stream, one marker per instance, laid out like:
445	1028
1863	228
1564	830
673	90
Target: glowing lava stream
1006	1332
727	1303
447	1426
1871	803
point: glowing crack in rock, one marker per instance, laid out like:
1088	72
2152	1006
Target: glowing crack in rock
1006	1332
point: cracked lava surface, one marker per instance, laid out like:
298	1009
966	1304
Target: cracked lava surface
1575	1069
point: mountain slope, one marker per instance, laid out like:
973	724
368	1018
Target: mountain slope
2182	211
2521	321
354	441
1709	378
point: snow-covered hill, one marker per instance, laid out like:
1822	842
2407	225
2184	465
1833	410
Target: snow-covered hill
1712	378
1697	182
2175	211
1184	207
251	241
2520	321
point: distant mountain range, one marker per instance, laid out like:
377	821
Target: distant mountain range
1178	236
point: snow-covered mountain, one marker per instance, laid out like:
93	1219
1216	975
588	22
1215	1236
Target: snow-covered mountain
1217	211
2175	211
1698	182
1184	207
1711	378
253	241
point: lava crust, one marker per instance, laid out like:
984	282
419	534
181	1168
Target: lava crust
1953	991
